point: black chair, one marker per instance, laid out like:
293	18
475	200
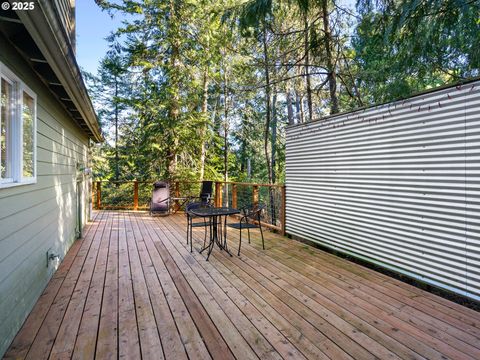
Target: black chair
205	192
191	224
160	202
203	200
252	213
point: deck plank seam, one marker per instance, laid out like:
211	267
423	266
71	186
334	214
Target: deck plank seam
422	326
165	291
199	261
354	278
180	243
95	226
84	300
293	298
247	282
196	302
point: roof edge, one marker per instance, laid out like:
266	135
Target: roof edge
46	29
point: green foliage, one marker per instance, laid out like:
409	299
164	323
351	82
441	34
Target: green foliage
185	81
407	46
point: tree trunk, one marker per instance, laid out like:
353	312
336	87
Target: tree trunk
174	107
225	132
267	102
273	215
302	109
332	76
307	68
225	138
298	108
117	170
291	120
274	136
203	132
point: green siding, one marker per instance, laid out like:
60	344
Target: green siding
41	216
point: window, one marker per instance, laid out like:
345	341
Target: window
18	121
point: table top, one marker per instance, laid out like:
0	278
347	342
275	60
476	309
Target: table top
214	211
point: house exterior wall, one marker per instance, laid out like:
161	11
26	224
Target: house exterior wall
396	185
37	217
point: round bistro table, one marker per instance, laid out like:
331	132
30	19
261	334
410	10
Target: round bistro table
215	222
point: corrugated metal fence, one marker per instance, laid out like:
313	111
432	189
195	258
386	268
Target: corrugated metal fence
397	184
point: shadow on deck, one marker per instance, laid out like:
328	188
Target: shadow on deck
132	289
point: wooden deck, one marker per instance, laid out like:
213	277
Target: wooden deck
131	289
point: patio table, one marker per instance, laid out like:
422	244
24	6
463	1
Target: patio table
215	215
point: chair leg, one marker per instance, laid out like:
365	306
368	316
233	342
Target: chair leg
205	236
240	241
188	227
261	232
191	237
191	234
225	231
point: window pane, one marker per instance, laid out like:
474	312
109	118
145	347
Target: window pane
28	113
5	126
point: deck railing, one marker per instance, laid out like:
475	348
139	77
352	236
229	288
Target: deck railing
135	195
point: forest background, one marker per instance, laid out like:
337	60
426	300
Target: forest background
204	89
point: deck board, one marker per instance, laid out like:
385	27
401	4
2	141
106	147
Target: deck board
132	289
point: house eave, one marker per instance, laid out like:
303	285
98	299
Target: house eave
44	26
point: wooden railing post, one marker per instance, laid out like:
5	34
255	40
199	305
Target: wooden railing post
234	196
283	209
177	189
135	195
218	194
220	197
99	195
177	195
255	195
93	194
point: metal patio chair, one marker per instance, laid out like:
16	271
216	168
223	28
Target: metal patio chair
206	192
203	200
250	215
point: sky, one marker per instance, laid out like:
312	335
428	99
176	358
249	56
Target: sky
93	26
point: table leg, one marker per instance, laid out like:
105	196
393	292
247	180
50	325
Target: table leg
225	244
210	228
213	235
218	235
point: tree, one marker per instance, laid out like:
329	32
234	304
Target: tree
204	89
407	46
111	89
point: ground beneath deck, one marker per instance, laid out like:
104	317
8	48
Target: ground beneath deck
131	289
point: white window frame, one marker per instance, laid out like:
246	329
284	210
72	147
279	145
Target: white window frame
16	131
10	161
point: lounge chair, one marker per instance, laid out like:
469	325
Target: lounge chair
160	202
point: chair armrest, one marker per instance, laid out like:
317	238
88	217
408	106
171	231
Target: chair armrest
161	201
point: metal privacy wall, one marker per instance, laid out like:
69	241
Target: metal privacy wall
396	184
